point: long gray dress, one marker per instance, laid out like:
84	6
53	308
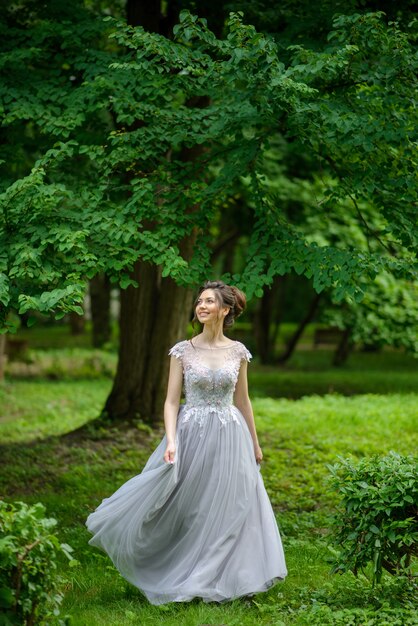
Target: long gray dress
202	526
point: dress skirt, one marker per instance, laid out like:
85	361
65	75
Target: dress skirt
202	526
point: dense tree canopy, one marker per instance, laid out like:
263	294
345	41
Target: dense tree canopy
105	110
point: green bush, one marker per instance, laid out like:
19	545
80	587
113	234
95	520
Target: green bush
29	582
377	521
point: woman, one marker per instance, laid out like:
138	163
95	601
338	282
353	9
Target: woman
197	522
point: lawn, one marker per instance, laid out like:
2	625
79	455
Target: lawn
42	459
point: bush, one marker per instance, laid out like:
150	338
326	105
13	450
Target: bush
377	521
29	583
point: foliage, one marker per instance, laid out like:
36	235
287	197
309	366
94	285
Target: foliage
387	315
114	102
377	521
388	312
303	22
30	587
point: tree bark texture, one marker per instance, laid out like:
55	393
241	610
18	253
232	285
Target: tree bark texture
343	349
267	320
99	288
77	323
153	318
146	14
293	342
3	356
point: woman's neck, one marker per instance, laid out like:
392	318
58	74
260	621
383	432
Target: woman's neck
213	335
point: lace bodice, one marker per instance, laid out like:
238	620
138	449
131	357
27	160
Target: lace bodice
210	375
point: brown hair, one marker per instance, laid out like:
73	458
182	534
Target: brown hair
226	296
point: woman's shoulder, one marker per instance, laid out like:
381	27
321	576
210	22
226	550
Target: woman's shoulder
178	349
242	351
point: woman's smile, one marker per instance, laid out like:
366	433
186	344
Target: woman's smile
208	301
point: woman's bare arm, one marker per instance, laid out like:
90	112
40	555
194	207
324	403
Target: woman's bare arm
171	405
243	403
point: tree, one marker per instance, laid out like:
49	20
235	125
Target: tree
350	105
154	314
100	295
387	315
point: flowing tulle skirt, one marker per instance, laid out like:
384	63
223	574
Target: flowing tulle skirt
200	527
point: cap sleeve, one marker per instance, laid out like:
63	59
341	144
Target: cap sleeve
244	354
178	350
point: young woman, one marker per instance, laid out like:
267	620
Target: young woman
197	522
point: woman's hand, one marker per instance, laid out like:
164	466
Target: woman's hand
169	453
258	453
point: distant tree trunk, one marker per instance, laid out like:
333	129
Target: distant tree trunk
344	348
2	355
262	322
24	317
146	14
265	323
100	309
371	347
280	304
228	250
77	323
293	341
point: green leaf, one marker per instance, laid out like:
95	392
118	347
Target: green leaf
6	598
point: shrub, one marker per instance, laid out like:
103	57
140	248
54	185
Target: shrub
377	520
29	583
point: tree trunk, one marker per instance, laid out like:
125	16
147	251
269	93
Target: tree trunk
263	322
3	356
146	14
174	309
292	343
226	247
280	282
153	317
100	309
77	323
138	306
343	349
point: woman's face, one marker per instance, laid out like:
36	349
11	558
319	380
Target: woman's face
207	307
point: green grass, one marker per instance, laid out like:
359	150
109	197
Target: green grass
311	372
307	372
299	437
36	409
40	460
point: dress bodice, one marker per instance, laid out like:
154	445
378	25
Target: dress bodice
210	375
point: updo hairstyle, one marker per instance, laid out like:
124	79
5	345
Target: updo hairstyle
226	296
